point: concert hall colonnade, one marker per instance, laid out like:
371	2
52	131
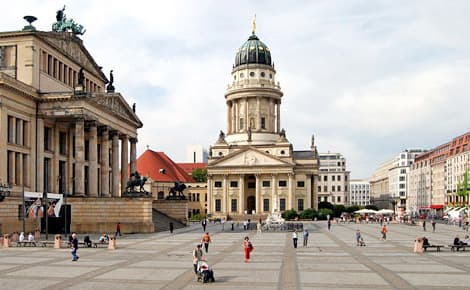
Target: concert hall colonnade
63	131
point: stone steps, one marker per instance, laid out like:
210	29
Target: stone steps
162	221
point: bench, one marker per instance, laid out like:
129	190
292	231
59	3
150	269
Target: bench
99	244
454	248
24	243
437	247
46	243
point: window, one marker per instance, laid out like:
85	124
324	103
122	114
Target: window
197	197
241	123
263	123
161	195
47	138
282	204
345	188
338	188
338	198
282	183
402	178
300	184
265	204
339	177
402	186
217	183
319	188
251	184
218	204
300	204
333	178
63	143
233	207
345	178
325	188
252	74
266	183
242	75
233	184
262	74
87	149
333	188
325	177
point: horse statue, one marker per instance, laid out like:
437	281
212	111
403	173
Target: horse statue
63	24
176	192
136	180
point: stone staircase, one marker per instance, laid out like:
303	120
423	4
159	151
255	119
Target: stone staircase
162	221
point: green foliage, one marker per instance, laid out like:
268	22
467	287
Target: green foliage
290	214
325	204
371	206
309	213
199	174
196	217
352	208
324	212
338	209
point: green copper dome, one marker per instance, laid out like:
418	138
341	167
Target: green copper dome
253	51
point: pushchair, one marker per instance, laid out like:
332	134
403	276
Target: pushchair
361	242
204	272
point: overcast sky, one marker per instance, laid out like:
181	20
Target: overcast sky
368	78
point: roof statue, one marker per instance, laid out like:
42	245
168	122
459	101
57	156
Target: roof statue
249	134
221	137
110	87
81	77
253	25
63	24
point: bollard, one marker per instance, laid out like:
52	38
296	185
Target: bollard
37	235
112	243
57	241
418	245
6	241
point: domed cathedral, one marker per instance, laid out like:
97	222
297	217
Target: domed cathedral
252	169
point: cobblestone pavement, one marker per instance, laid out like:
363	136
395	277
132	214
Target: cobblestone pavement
331	261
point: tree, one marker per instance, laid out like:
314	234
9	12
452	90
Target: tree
338	209
352	208
325	204
290	214
199	174
371	206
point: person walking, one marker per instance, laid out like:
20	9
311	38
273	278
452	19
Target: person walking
294	238
197	256
433	224
118	230
329	225
384	231
247	249
74	246
424	225
171	227
204	224
206	239
305	237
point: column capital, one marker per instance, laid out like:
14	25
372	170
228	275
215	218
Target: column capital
133	140
123	136
103	128
91	124
114	133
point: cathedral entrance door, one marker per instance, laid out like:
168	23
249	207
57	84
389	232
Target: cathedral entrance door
251	204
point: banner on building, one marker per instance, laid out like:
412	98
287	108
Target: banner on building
34	206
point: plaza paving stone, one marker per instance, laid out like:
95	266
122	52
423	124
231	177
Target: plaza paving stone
331	261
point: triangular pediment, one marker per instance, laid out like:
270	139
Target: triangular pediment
115	103
72	47
250	157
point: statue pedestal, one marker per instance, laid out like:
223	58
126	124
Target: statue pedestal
79	89
57	241
112	243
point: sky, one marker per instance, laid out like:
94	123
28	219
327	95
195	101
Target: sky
367	78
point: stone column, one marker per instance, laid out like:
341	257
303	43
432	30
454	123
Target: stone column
290	193
209	194
115	165
55	159
104	162
278	117
274	205
229	103
258	194
308	202
247	122
133	154
19	168
4	143
79	156
236	117
241	189
93	160
258	114
224	195
233	121
40	156
12	167
70	181
124	161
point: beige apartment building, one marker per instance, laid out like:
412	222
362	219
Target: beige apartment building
63	132
252	168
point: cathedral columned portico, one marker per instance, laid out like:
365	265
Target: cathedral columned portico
253	169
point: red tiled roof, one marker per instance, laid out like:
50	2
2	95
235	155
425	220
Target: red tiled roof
189	167
150	164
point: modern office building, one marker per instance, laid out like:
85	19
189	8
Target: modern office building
333	179
359	192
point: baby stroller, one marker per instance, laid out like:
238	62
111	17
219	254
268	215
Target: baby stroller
204	272
361	242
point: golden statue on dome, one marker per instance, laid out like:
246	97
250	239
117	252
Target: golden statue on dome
253	25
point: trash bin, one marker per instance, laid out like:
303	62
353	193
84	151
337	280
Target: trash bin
112	243
418	245
57	241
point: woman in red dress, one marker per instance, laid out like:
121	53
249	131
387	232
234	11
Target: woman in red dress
247	248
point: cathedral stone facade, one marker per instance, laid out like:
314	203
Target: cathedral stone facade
62	131
253	169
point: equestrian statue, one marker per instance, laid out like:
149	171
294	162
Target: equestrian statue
135	180
176	192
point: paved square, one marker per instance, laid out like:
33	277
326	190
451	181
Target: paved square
331	261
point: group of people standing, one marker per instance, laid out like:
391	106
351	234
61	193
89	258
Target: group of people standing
295	238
